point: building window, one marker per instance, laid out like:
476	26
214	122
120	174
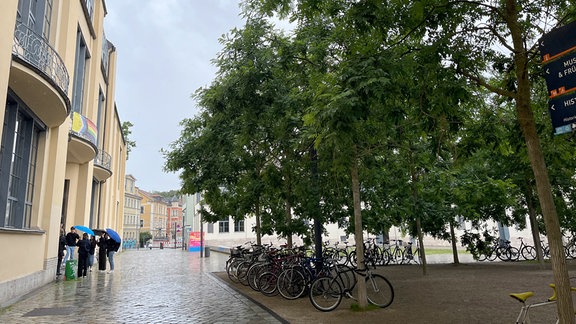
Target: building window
100	123
18	165
224	226
36	15
79	73
210	227
105	55
239	225
47	19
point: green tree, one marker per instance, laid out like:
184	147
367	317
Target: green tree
126	131
499	38
144	238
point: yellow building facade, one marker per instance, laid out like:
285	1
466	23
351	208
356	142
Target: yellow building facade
132	212
63	154
154	216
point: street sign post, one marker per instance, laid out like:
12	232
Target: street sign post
561	73
558	50
561	109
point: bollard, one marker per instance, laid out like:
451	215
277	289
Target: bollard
206	252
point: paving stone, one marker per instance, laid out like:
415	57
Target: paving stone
148	286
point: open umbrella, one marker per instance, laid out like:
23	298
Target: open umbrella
112	233
98	231
84	229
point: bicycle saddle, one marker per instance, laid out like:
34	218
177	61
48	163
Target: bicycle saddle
521	297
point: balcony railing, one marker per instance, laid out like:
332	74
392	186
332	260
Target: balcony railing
36	51
103	160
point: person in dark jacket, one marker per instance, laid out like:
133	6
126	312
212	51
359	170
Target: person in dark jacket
71	238
102	252
93	244
61	249
112	247
83	252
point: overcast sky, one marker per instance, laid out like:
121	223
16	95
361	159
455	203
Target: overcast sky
164	50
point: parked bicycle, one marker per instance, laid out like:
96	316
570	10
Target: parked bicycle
411	256
502	250
527	309
527	252
326	293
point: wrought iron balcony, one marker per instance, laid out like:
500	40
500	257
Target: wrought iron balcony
103	159
35	50
102	165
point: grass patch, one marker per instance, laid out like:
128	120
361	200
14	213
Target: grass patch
357	308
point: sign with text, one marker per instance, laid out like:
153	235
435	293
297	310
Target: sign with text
562	109
557	41
558	50
560	74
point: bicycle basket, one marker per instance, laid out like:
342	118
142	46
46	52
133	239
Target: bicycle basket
235	252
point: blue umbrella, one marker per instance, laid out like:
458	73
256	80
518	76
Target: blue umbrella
84	229
113	235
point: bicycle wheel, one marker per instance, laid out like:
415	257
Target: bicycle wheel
254	272
398	256
346	278
242	272
343	256
386	257
494	253
291	284
325	294
379	290
231	270
482	257
571	251
513	253
267	283
353	259
528	253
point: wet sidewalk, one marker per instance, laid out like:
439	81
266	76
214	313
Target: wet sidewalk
148	286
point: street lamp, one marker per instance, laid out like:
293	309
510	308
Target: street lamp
201	232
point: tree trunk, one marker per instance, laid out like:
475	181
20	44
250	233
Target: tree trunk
288	212
358	235
534	227
525	117
317	219
453	241
258	228
421	246
528	125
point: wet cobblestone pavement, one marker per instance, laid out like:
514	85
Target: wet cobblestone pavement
148	286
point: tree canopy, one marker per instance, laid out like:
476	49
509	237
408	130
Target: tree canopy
373	114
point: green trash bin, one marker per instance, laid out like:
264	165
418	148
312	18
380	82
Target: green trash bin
71	267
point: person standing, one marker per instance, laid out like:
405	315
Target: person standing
102	252
61	249
71	238
92	251
112	247
83	252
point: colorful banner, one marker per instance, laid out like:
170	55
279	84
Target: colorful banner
194	242
84	128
